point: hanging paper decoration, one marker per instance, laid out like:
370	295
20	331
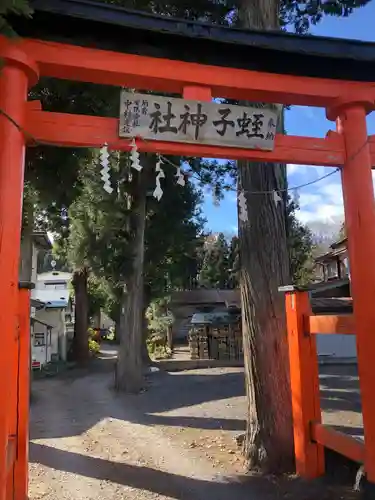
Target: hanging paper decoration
180	177
159	170
134	155
242	207
158	192
104	162
276	197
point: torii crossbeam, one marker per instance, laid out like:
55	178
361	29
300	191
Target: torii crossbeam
113	46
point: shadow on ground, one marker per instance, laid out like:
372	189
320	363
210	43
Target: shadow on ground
164	393
188	488
169	400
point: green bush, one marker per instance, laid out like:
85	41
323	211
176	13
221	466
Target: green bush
159	319
94	347
91	333
157	348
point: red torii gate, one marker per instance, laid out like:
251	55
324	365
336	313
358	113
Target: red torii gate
22	122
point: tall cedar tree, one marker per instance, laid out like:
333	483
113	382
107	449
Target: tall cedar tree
215	265
265	259
105	234
268	441
263	241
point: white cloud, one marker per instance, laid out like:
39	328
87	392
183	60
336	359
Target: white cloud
291	169
323	213
324	203
307	199
310	170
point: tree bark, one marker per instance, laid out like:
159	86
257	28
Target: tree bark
81	324
268	444
129	369
146	360
97	319
117	330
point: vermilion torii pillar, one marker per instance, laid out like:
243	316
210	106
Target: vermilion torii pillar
16	75
200	82
359	206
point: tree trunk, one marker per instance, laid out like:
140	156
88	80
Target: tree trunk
268	443
81	341
129	363
146	360
97	319
170	337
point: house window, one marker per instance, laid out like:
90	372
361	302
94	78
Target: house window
41	338
346	264
56	286
332	270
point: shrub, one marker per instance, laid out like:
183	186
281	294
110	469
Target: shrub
94	347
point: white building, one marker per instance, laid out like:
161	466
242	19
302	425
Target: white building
53	324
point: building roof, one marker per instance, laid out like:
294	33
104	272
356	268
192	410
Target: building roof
35	320
337	248
331	284
122	30
57	304
337	305
339	243
207	296
218	318
55	276
41	239
37	304
52	298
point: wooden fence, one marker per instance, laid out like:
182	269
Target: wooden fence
310	435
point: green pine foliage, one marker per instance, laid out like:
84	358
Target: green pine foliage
215	265
94	229
234	263
300	246
8	7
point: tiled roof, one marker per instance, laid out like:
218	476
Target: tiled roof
207	296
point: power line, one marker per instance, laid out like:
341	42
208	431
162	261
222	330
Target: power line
294	188
165	159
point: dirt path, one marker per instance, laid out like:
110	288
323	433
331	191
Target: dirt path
86	444
174	441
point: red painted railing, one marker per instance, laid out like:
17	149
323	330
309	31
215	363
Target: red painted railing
310	435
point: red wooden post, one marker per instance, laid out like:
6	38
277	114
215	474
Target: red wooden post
14	79
304	381
359	208
13	365
21	465
195	93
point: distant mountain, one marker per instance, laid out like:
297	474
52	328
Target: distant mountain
325	231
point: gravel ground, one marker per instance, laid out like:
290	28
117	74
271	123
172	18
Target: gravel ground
173	441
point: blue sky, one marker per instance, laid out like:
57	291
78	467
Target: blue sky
321	202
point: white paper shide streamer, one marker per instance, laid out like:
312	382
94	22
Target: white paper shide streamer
242	207
104	162
134	156
276	197
158	192
180	177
